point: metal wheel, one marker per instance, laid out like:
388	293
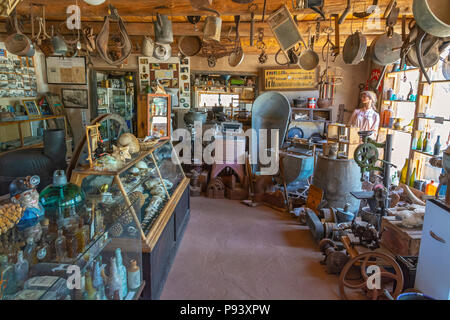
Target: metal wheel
366	155
391	276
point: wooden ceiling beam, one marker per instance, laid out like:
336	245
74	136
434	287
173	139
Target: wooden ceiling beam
184	28
56	10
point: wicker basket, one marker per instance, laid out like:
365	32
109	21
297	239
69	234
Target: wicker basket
147	145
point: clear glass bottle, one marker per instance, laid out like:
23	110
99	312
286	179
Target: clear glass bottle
114	281
97	281
122	271
60	246
29	251
21	269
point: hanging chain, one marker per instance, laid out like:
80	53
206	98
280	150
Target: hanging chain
260	45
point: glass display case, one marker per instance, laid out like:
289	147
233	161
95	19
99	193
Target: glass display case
154	115
152	176
93	252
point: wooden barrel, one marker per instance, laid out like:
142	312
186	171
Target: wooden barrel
337	178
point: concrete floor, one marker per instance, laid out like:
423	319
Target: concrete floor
231	251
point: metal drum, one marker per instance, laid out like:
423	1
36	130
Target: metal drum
337	178
297	167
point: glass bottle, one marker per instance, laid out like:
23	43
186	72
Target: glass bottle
425	142
30	251
134	276
419	142
412	178
437	146
21	269
122	271
114	281
404	172
60	246
8	285
97	281
414	142
431	188
428	147
80	235
90	293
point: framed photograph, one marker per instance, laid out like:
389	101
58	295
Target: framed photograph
63	70
31	107
75	98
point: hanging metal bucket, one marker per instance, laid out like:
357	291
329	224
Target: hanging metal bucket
212	28
163	29
433	16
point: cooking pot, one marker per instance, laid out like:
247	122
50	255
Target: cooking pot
190	45
163	29
162	51
433	16
354	48
148	47
212	28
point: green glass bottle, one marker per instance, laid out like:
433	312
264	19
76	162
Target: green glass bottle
425	143
62	199
419	142
404	172
412	178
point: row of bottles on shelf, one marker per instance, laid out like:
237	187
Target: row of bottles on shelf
425	144
429	187
94	283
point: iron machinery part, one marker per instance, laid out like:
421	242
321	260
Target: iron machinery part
368	12
315	226
367	234
381	265
335	259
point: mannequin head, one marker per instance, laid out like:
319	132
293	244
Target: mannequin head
368	100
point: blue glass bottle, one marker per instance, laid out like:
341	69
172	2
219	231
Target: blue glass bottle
97	281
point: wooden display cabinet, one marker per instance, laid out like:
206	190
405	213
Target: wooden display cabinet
160	222
154	115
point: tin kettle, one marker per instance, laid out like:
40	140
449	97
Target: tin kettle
163	29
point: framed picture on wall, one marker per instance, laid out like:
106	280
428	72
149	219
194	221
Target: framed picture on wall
75	98
63	70
31	107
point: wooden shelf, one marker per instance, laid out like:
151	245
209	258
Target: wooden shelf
399	101
424	153
431	118
401	71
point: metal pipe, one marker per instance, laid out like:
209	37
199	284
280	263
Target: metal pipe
387	166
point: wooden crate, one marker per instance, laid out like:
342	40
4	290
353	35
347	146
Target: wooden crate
338	132
399	240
